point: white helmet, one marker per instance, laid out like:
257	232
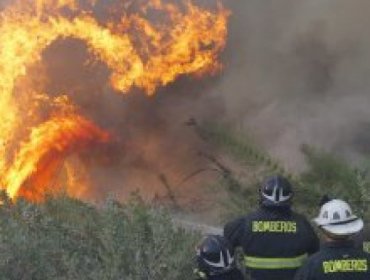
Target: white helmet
336	217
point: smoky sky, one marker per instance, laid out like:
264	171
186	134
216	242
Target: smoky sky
297	72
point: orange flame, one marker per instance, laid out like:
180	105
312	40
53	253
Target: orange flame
138	52
49	144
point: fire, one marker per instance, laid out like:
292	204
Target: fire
140	53
49	144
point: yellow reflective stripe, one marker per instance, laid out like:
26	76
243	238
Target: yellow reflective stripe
274	263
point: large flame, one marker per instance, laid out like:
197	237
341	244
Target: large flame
139	53
49	144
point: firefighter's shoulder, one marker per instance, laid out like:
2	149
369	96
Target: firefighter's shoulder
236	230
353	263
302	222
241	223
234	225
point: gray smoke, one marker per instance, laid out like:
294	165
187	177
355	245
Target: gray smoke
295	72
150	135
298	72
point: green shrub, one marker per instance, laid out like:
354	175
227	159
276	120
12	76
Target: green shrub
325	174
65	238
329	174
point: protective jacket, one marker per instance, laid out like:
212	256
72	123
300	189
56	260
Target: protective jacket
275	241
234	274
362	240
338	260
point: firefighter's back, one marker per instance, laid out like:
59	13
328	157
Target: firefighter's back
338	258
275	240
337	261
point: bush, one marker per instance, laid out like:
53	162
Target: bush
65	238
325	174
329	174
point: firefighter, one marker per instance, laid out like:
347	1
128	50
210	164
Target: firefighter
275	240
215	260
338	258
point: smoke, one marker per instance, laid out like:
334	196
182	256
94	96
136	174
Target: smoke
150	135
153	150
297	72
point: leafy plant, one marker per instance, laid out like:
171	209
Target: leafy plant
325	174
64	238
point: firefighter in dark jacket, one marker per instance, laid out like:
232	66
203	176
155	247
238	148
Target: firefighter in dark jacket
215	260
275	240
338	258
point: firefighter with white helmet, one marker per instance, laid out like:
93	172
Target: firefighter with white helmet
338	259
275	240
215	260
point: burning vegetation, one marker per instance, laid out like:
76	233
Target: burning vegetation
143	44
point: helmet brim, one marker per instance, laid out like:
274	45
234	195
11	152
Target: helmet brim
343	229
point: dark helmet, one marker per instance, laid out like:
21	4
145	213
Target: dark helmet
215	255
276	191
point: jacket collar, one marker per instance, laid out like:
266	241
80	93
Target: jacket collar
339	244
277	210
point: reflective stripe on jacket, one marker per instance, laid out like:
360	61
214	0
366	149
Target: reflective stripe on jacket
274	263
